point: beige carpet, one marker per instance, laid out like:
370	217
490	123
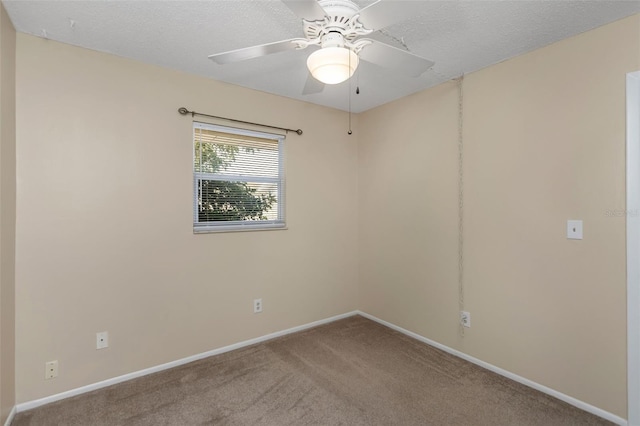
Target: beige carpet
350	372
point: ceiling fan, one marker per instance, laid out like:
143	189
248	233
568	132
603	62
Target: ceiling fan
334	29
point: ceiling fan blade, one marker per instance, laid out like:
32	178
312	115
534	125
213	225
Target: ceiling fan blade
383	13
306	9
253	52
391	57
312	86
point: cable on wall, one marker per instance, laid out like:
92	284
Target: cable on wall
349	132
184	111
459	81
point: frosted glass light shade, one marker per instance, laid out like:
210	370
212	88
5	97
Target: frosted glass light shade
332	65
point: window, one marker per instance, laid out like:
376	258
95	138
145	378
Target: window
238	179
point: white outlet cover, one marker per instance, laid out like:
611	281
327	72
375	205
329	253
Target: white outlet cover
574	229
257	306
102	340
50	369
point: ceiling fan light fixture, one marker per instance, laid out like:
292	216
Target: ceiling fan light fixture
332	65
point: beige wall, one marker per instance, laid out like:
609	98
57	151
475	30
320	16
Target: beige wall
7	213
408	212
104	230
544	141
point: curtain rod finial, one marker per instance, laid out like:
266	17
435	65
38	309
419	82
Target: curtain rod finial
183	110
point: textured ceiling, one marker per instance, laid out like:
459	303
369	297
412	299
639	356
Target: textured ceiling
460	36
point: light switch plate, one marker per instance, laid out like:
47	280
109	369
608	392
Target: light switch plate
574	229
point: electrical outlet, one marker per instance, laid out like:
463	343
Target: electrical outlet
257	306
102	340
465	318
50	369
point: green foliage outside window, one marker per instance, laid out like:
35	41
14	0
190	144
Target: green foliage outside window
223	200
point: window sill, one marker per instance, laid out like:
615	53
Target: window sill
224	229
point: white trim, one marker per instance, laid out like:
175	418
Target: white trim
633	248
99	385
221	229
10	417
238	131
238	225
566	398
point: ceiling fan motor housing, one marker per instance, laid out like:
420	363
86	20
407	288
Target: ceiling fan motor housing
339	19
332	39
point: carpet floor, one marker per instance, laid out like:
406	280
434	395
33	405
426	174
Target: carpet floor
349	372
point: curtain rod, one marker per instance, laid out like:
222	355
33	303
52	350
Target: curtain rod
184	111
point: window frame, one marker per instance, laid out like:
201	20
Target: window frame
239	225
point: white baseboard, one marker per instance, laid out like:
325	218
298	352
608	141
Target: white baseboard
88	388
566	398
99	385
12	414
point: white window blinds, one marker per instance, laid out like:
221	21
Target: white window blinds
238	179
